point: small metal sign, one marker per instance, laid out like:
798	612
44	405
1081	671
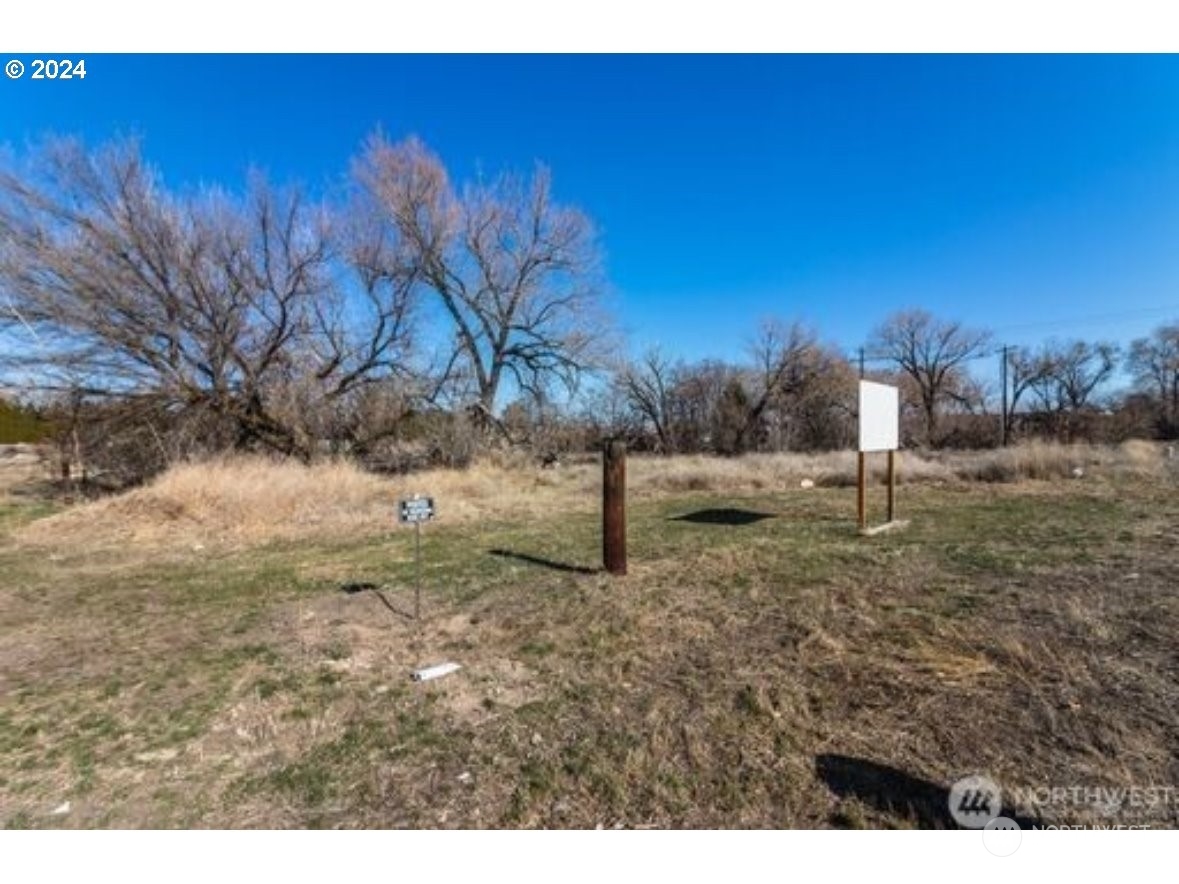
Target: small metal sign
412	510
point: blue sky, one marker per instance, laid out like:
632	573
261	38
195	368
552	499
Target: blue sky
1037	195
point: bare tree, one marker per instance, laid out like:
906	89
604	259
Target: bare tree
822	415
933	353
649	386
1029	371
792	390
604	412
232	306
791	373
706	417
514	272
1065	376
1080	368
1154	363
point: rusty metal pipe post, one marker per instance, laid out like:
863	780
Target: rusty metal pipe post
614	507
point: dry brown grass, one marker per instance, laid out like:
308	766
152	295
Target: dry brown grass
1050	460
741	675
771	472
245	501
240	502
20	466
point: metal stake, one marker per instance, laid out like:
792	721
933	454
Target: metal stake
417	557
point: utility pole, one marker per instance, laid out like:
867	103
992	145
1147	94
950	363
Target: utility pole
861	363
1006	429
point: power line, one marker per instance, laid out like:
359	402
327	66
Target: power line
861	355
1139	313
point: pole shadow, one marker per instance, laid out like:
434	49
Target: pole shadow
543	562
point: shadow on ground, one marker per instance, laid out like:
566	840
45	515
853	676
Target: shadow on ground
543	562
357	588
895	792
723	516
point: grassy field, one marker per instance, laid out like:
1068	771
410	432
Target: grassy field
761	666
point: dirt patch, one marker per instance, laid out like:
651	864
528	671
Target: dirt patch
371	635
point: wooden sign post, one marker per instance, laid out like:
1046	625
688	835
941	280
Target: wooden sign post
879	431
861	490
892	485
614	507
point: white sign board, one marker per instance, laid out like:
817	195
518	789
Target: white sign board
416	509
880	409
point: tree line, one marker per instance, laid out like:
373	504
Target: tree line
792	392
405	317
